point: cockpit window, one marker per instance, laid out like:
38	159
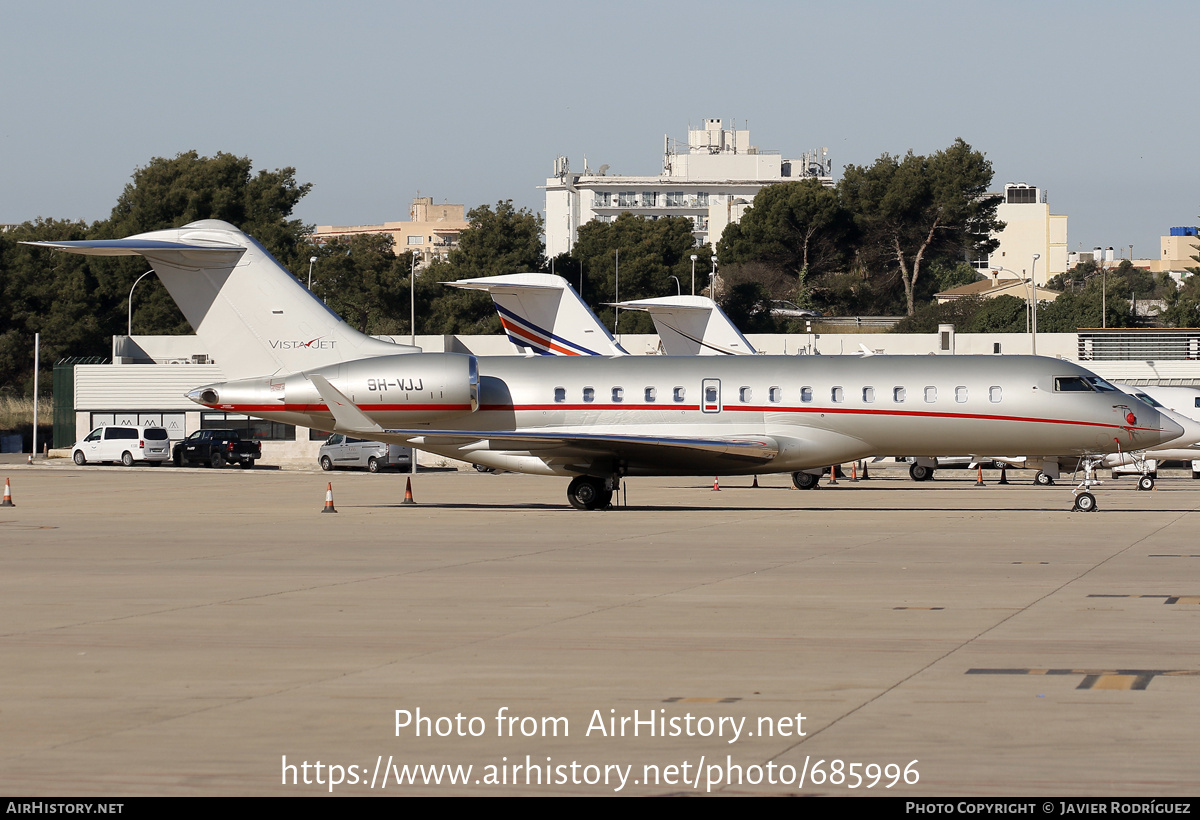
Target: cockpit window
1072	384
1100	384
1147	399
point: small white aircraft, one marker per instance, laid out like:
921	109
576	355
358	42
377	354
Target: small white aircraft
599	418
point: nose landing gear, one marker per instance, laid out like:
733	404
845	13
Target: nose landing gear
1084	500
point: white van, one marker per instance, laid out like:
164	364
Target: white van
345	451
117	442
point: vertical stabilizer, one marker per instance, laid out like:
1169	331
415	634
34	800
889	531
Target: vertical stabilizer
692	326
542	313
252	315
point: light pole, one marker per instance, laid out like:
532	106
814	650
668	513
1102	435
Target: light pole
312	260
1033	291
694	258
129	324
712	276
617	291
412	306
1030	304
678	287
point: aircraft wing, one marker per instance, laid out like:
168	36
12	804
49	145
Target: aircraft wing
675	450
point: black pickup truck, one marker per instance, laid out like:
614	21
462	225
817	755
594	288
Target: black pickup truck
216	448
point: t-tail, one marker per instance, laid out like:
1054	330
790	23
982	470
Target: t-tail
542	314
253	316
692	326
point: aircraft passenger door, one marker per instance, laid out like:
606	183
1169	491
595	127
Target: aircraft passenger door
710	396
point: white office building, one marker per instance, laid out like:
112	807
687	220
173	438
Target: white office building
710	181
1029	228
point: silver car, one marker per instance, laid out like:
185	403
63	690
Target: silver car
343	451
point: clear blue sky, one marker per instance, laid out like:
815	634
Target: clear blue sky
470	102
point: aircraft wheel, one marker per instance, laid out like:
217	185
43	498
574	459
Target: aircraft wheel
373	465
1146	482
127	459
919	472
326	464
805	481
217	462
80	458
588	493
1043	480
1085	502
483	468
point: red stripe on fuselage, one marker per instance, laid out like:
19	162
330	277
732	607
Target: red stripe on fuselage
517	408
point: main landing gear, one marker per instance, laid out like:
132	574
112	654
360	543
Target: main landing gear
587	492
805	481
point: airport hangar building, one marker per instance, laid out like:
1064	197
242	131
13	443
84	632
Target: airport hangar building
148	377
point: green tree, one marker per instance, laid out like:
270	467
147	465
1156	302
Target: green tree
78	303
169	193
362	280
499	241
916	209
800	227
651	252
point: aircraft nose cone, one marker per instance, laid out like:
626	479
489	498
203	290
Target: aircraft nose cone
1171	430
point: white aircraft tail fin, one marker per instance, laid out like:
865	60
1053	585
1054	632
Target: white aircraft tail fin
692	326
542	313
252	315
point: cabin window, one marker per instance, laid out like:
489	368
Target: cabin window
868	394
1071	384
837	394
931	394
560	394
710	394
899	394
651	394
960	394
806	394
745	394
678	393
618	394
776	394
589	394
995	394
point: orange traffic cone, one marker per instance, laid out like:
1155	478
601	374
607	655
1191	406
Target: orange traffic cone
755	485
833	474
854	471
980	483
716	485
1003	475
408	499
329	500
7	496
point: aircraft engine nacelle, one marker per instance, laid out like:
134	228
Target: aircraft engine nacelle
394	390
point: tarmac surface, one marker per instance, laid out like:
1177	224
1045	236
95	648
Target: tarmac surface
210	632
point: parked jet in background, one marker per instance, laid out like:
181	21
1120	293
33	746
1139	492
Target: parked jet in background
598	418
543	314
692	326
